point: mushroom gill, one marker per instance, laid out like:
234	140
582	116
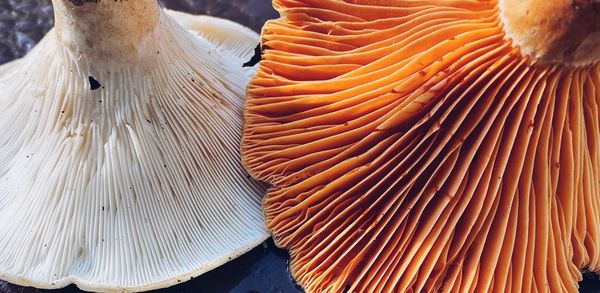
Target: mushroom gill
412	146
119	150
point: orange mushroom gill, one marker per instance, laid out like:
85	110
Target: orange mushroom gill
446	145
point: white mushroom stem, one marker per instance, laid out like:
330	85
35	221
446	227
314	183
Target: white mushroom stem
115	30
559	31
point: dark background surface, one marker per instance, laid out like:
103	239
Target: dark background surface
264	269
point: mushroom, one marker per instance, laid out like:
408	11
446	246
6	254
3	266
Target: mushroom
119	150
424	146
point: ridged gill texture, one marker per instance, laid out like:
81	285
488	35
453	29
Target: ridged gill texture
411	148
127	176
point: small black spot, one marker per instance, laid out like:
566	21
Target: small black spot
94	84
102	208
255	59
81	2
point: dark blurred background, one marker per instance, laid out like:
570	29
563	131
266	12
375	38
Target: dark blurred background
264	269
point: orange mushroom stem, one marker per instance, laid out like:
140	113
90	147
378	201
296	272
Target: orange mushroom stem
560	31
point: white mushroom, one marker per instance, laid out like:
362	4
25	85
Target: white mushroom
119	150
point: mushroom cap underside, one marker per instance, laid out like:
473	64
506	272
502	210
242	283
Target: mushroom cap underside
411	147
137	184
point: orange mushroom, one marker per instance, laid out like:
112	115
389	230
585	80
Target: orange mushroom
419	146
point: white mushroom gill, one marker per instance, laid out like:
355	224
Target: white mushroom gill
119	150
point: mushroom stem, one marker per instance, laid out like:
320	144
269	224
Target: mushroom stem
115	30
560	31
